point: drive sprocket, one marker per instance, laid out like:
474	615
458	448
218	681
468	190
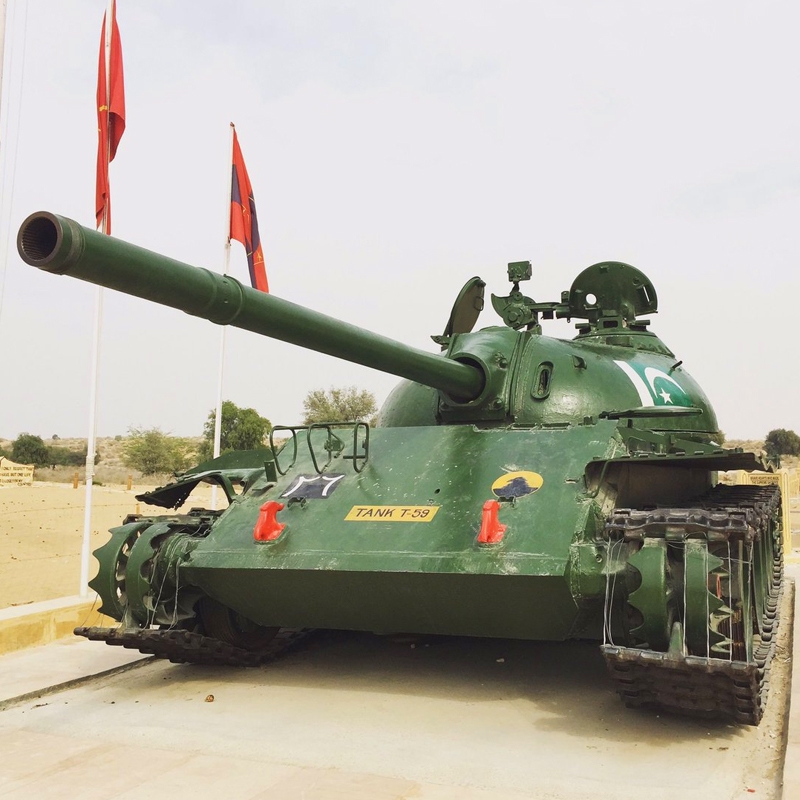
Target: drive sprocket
110	583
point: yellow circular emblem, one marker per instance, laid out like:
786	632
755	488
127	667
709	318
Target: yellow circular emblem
517	484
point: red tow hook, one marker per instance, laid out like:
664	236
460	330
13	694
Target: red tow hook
267	527
491	527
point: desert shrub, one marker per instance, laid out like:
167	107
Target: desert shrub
153	451
66	457
29	449
241	429
339	405
780	442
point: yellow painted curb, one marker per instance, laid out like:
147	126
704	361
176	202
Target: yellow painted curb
36	624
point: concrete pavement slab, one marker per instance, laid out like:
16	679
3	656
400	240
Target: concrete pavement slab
357	716
38	670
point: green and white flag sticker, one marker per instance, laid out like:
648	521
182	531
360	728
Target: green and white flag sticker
654	386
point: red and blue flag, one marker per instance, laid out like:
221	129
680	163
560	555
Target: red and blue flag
110	116
244	223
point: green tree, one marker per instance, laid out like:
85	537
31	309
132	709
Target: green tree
346	404
29	449
241	429
65	457
781	442
152	451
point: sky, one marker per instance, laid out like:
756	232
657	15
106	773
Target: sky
395	150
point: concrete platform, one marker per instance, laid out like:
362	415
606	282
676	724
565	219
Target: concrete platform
356	716
39	653
40	671
35	624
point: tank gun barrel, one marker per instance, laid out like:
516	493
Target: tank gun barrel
62	246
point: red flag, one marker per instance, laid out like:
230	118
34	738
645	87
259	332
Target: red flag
244	224
110	115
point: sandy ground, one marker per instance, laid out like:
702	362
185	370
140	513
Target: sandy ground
41	531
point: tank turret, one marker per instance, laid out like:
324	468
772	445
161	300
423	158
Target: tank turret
517	485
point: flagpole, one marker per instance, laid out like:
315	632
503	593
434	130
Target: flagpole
224	328
91	444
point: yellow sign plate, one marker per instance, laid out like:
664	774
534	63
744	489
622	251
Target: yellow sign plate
392	513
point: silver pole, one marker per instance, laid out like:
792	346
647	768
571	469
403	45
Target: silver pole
224	328
91	444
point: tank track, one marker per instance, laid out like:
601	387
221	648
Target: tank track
696	685
187	647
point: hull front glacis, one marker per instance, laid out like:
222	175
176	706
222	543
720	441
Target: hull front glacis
395	548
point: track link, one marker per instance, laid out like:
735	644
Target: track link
695	684
187	647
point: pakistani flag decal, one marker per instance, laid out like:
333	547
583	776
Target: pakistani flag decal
654	386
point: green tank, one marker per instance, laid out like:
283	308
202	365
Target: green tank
516	485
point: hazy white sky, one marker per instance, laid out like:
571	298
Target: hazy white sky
395	150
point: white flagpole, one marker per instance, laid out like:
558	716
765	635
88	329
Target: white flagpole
224	328
86	545
91	443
